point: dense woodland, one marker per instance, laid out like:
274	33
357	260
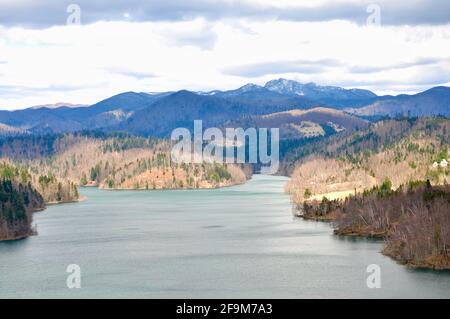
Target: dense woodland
378	136
400	150
414	220
366	183
116	161
18	199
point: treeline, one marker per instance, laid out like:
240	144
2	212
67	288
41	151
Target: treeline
358	146
34	146
27	147
120	161
22	193
401	150
54	191
122	143
159	172
414	220
17	202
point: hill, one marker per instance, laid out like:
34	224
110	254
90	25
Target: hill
41	120
6	130
23	193
115	161
298	124
413	220
18	201
435	101
398	150
388	180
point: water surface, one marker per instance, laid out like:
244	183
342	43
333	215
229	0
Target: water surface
237	242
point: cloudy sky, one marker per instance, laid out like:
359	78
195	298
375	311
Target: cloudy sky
389	47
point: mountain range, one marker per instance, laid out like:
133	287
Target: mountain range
435	101
158	114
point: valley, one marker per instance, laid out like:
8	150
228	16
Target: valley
342	163
219	151
212	243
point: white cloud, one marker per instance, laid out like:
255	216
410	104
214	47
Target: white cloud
83	64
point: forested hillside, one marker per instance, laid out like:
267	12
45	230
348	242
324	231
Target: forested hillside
387	181
115	161
47	169
400	150
413	220
303	124
18	199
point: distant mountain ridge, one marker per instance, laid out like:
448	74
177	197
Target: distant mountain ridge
329	95
159	113
58	105
435	101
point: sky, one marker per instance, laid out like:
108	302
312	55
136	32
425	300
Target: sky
82	51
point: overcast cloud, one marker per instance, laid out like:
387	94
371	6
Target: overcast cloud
45	13
203	45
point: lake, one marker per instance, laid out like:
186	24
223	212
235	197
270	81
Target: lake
236	242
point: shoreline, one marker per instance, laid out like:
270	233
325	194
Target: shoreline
82	198
19	237
79	199
434	264
34	232
418	266
168	189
